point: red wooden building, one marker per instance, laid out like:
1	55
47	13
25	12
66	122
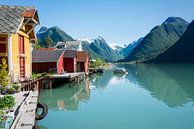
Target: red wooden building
82	62
49	61
70	57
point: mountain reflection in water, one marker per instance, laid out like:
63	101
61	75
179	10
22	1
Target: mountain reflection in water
149	97
172	84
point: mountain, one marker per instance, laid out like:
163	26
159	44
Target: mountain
86	47
54	33
99	48
116	47
181	51
129	48
158	40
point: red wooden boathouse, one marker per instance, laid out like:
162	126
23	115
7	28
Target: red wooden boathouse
49	61
82	62
70	57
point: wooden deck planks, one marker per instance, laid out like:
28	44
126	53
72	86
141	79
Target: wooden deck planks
67	75
70	77
26	116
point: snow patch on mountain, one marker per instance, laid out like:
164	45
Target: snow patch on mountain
115	46
89	40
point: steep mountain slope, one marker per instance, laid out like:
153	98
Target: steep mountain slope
128	49
54	33
158	40
182	50
99	48
116	47
86	47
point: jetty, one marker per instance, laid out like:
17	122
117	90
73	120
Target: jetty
24	110
68	77
35	84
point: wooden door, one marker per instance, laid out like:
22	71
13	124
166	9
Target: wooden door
21	45
22	68
80	67
22	57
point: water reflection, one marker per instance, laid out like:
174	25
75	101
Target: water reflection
170	83
67	96
157	96
100	81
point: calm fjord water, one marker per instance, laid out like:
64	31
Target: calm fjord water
149	97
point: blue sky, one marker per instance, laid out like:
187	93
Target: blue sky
118	21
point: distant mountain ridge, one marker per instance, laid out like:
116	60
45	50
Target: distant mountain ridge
181	51
158	40
98	47
129	48
172	41
54	33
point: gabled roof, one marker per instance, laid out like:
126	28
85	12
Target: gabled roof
70	53
82	56
39	56
11	17
70	45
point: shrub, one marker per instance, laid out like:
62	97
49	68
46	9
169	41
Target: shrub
16	87
97	63
2	113
7	102
11	90
4	80
4	90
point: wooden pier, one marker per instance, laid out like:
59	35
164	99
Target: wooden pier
26	101
35	84
69	77
41	82
25	110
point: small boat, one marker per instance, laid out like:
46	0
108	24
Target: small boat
120	71
100	70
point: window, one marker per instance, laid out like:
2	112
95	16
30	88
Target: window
3	39
2	48
21	45
3	44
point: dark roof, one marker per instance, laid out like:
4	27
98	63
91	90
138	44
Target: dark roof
70	45
46	55
82	56
11	17
70	53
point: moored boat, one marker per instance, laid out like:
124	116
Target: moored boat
120	71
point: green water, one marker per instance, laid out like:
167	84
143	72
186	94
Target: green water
149	97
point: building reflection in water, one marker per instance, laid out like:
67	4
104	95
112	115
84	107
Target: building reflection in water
67	96
171	84
61	104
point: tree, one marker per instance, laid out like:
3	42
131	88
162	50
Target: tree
4	78
37	44
48	41
97	63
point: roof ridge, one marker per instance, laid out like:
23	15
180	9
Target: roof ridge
19	6
11	17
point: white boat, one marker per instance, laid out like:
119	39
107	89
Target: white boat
120	71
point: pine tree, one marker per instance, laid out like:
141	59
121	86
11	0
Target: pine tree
4	80
48	41
37	44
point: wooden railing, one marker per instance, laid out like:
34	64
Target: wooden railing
29	85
